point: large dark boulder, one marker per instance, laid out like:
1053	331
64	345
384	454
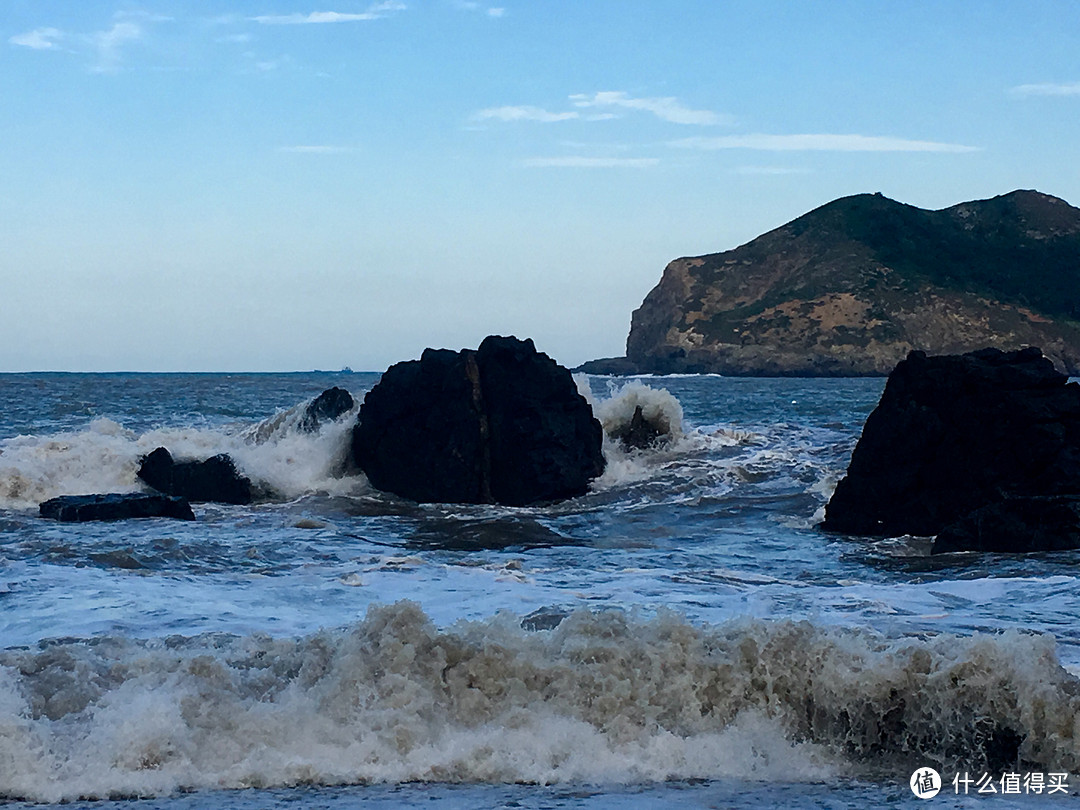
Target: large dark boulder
502	424
956	433
1047	523
115	506
213	479
331	404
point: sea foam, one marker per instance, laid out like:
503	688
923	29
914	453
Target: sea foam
104	457
604	697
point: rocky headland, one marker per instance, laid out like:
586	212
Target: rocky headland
852	287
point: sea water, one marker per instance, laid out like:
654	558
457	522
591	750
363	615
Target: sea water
682	635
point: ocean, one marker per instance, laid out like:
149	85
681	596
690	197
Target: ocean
681	636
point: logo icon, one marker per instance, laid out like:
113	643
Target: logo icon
925	783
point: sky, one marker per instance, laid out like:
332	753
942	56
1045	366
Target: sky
280	185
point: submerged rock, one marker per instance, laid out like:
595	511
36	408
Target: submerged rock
213	479
958	433
115	506
331	404
501	424
640	417
639	433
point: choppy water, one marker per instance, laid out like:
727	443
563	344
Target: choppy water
681	636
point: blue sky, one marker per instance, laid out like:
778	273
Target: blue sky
285	185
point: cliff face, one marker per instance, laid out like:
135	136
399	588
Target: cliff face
850	288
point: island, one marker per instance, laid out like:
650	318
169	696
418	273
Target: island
850	288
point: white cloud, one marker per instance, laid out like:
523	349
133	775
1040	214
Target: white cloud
666	108
524	113
313	17
318	17
108	44
471	5
591	162
1047	89
145	16
40	39
768	170
819	143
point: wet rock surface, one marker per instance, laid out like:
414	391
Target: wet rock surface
1050	523
501	424
115	506
958	433
214	479
330	405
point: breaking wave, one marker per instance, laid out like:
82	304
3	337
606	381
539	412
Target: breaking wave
104	457
675	445
605	697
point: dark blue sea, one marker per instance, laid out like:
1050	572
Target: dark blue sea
681	636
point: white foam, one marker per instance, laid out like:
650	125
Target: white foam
104	457
603	697
658	407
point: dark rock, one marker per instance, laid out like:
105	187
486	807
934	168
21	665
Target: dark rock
502	424
418	433
613	366
213	479
640	433
545	444
957	433
1050	523
331	404
81	508
118	558
545	618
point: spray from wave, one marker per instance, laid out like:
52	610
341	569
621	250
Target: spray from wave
665	443
603	697
276	454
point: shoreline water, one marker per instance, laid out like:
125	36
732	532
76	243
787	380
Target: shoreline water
716	533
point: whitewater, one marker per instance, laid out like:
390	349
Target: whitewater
681	635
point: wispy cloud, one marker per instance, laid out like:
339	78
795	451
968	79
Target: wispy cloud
591	162
819	143
667	108
769	170
145	16
108	45
524	113
1072	89
471	5
374	12
40	39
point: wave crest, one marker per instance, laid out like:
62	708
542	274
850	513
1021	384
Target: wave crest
603	697
104	457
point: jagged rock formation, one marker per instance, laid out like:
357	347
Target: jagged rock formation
501	424
331	404
980	449
213	479
850	288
